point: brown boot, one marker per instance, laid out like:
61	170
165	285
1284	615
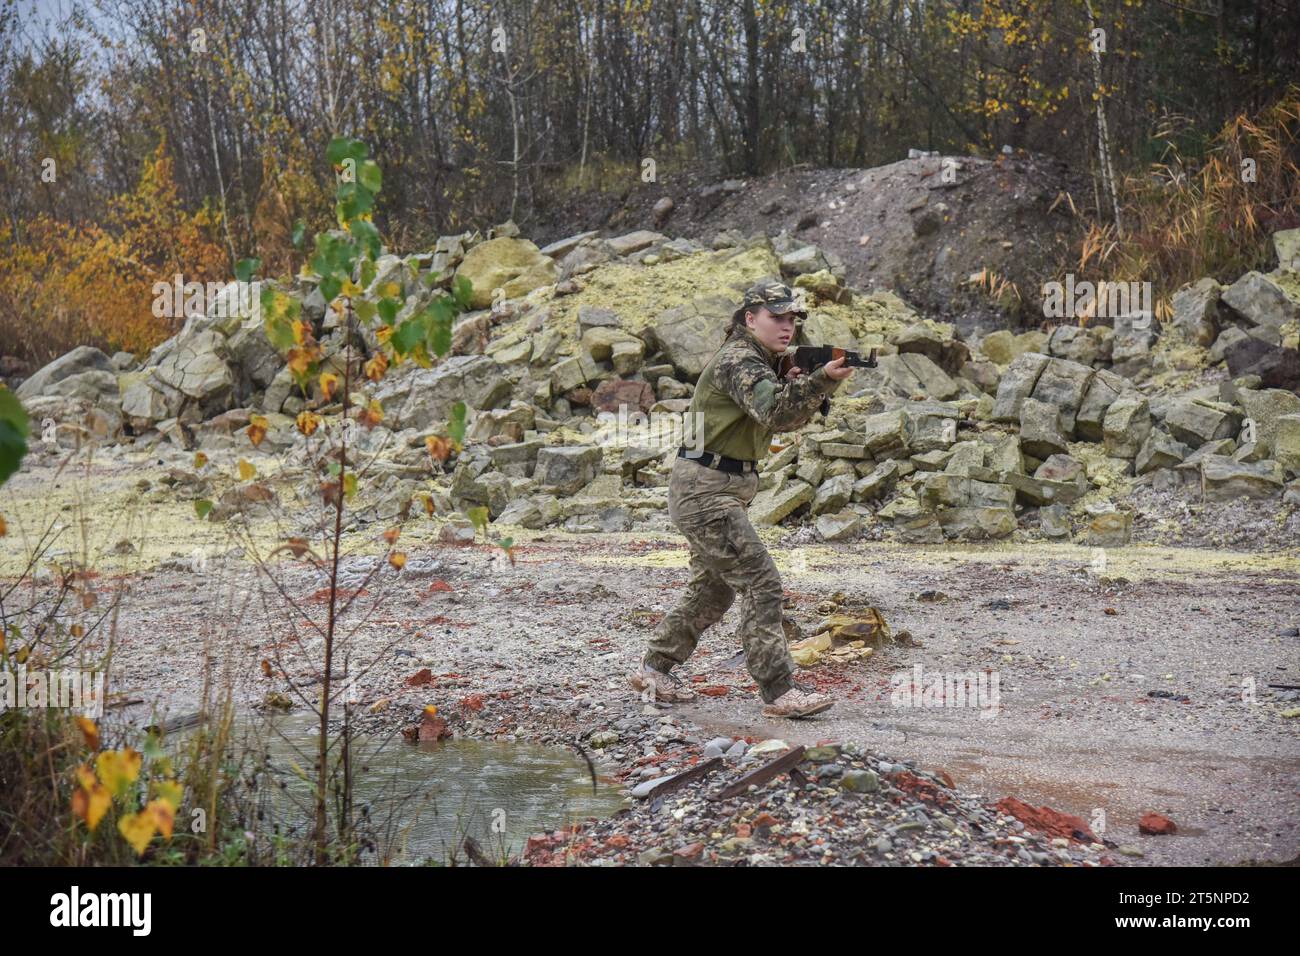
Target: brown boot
666	687
797	703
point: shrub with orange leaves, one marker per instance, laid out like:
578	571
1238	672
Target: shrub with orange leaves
66	284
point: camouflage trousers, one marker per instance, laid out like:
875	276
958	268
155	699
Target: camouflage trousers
708	507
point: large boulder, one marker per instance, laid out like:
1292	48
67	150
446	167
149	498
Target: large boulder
254	360
621	393
580	369
1082	345
913	372
879	482
1041	432
1104	388
96	386
81	359
1259	301
197	368
965	508
1276	367
516	266
563	469
1286	242
822	328
1286	443
1063	383
689	334
414	397
1262	409
623	350
1127	425
145	401
772	504
1017	384
1195	422
1196	310
940	345
1226	479
1003	348
1160	450
833	495
932	426
886	435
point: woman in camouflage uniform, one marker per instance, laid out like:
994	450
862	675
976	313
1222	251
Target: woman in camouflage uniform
739	401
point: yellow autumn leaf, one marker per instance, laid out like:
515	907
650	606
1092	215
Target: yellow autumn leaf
308	422
349	288
384	333
391	289
89	731
376	367
163	815
168	791
437	446
300	329
256	431
246	471
371	415
138	828
89	804
397	559
118	769
431	710
329	383
299	361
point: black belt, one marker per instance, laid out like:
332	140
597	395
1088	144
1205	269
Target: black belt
708	459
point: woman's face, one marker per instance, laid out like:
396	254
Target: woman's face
775	332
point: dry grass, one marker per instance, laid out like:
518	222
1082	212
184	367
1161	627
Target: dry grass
1184	221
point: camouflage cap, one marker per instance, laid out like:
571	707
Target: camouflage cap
777	297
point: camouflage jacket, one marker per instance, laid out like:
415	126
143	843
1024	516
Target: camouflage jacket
739	401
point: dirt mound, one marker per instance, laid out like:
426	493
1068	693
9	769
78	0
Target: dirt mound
918	227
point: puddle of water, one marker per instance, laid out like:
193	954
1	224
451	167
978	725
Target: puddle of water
424	799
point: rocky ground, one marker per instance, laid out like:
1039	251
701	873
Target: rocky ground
1139	686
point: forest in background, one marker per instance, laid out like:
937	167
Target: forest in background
147	138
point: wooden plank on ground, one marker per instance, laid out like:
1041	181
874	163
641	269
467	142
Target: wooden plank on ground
787	761
677	781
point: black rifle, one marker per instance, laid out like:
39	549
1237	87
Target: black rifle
809	358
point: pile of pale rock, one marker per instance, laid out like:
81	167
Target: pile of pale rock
942	441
